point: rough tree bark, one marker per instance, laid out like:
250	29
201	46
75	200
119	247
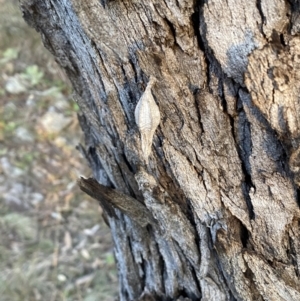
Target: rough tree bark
213	212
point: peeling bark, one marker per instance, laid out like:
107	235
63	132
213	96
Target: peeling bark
211	211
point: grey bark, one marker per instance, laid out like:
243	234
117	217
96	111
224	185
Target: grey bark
212	213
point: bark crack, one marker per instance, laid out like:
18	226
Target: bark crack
203	46
244	158
197	97
262	16
244	152
244	235
172	30
298	197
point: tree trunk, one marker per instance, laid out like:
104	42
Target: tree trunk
199	181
